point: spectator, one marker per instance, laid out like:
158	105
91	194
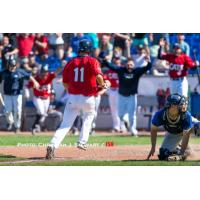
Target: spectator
7	50
67	37
154	39
140	39
106	48
75	41
184	45
69	54
12	39
139	57
94	39
51	60
41	44
117	53
25	43
32	60
56	45
121	40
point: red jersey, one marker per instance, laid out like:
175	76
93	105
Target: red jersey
80	75
42	50
25	45
179	65
45	85
113	78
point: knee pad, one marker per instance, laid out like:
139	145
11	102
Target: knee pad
163	154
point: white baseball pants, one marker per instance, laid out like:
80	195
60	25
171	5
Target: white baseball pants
74	105
113	102
179	86
13	104
41	105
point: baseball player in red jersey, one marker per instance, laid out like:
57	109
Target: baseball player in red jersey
113	97
80	78
179	64
41	96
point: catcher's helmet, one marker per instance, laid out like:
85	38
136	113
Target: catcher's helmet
175	99
85	46
11	61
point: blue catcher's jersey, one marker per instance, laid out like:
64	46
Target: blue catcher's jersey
184	123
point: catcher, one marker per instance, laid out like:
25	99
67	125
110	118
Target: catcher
178	124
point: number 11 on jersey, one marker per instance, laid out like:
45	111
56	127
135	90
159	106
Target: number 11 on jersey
76	77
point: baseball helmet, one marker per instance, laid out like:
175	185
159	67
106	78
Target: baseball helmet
85	46
11	61
176	99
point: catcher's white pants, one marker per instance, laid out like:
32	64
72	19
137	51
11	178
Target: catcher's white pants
41	105
179	86
13	104
74	105
113	102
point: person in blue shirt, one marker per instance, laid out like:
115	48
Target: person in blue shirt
52	61
178	124
13	79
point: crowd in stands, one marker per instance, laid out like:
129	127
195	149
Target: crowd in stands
55	49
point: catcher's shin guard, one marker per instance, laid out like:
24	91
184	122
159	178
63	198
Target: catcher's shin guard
164	154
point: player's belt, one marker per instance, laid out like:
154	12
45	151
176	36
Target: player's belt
177	79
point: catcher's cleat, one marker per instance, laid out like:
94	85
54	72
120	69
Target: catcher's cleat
81	146
50	153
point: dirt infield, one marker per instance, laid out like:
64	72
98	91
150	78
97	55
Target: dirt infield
116	153
73	153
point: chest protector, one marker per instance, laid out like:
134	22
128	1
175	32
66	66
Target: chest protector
173	127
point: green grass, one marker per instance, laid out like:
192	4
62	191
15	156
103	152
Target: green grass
14	140
107	163
9	158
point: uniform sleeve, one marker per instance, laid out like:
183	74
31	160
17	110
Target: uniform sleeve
189	62
157	119
65	73
187	122
25	74
97	68
30	84
50	78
